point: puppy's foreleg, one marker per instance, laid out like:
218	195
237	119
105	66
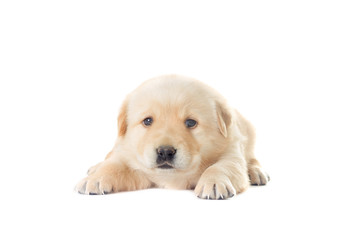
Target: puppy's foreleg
112	175
223	179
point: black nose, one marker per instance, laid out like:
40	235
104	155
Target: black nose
165	154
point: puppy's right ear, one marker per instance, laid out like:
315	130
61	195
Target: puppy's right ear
122	119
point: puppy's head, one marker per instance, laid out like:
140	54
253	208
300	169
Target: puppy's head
174	123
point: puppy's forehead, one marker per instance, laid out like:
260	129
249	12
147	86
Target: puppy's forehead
182	96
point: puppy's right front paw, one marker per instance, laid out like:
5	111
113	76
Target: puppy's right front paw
93	185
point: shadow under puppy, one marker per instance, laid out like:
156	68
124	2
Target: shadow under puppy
176	132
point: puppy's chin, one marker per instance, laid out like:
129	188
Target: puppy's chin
165	166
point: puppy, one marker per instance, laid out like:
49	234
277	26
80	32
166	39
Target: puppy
176	132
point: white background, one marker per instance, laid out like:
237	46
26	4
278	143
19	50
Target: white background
291	67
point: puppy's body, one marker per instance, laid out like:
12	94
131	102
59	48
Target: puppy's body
176	132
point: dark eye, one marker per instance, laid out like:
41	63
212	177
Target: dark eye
190	123
148	121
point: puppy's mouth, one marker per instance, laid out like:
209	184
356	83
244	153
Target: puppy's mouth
165	166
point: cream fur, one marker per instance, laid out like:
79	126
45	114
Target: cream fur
216	158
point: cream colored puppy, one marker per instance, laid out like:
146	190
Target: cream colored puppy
176	132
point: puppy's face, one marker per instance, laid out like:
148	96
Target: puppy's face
172	126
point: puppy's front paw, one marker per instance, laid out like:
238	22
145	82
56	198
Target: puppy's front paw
258	176
94	185
215	188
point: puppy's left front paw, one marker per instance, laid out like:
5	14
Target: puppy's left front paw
215	188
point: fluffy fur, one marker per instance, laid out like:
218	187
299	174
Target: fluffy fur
215	158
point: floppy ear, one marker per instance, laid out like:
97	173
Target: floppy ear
223	115
122	119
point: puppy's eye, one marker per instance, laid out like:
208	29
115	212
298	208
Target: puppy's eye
147	121
190	123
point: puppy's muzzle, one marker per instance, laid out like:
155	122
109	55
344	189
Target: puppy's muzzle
165	156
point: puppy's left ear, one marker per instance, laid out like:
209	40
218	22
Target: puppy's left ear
122	119
224	118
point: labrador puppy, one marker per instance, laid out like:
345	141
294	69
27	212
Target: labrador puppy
176	132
